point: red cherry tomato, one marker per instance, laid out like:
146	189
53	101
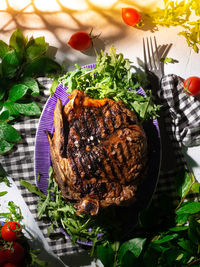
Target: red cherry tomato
192	86
10	265
15	254
80	41
10	231
130	16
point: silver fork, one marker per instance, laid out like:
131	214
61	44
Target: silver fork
153	63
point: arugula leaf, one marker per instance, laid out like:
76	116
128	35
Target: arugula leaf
3	193
179	13
32	188
167	60
111	78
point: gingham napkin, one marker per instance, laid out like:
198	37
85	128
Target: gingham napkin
184	110
20	163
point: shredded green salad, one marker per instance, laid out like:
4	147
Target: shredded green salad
113	78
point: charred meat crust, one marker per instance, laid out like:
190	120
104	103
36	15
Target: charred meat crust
98	152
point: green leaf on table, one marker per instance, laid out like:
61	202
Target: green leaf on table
28	109
4	116
17	92
17	41
167	60
31	84
183	182
3	49
35	48
189	208
9	133
10	64
41	66
106	255
5	146
134	245
3	193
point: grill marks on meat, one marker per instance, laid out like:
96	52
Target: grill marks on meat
98	152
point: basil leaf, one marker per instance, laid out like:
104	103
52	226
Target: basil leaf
186	245
195	188
4	115
165	239
9	133
10	64
178	228
5	146
134	245
29	109
2	92
194	231
182	218
189	208
17	41
3	49
9	105
106	255
17	92
31	84
183	183
41	66
36	48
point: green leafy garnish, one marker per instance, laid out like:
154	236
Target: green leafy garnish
180	13
167	60
111	78
22	60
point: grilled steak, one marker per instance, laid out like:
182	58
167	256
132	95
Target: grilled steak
98	152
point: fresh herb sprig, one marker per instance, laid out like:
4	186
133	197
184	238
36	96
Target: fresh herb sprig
112	78
165	235
179	13
22	60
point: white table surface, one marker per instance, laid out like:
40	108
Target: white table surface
57	27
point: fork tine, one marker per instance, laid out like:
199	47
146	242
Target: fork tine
156	47
152	53
144	53
149	55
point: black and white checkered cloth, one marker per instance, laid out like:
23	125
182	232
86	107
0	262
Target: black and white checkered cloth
182	119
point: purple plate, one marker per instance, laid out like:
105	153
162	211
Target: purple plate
43	160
